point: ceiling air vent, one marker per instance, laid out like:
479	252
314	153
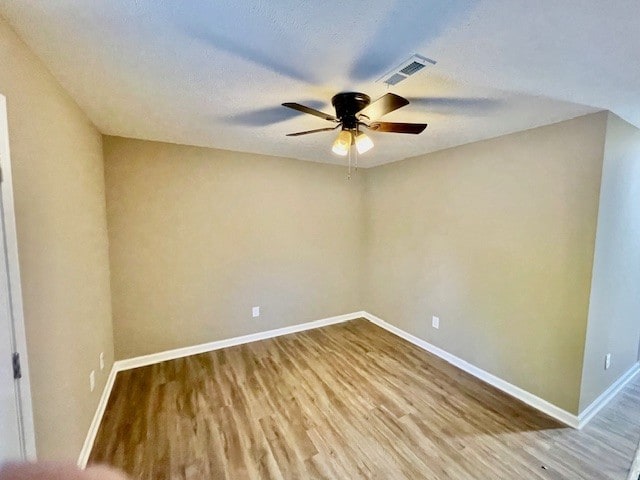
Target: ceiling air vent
406	69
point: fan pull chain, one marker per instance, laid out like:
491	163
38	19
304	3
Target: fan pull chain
356	159
349	171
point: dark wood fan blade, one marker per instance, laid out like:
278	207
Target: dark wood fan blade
385	104
392	127
297	134
309	110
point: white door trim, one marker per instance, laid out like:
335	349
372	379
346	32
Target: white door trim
26	417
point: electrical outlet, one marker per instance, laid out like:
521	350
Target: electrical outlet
92	380
255	311
607	361
435	322
101	360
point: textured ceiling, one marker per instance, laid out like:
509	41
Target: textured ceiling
214	73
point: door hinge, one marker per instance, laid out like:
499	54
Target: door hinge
17	371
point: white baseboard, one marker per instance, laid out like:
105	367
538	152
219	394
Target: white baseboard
606	396
231	342
97	418
144	360
517	392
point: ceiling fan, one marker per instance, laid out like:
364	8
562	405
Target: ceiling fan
355	110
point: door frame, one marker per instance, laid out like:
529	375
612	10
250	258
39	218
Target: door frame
27	430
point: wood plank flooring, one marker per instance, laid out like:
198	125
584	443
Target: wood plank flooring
346	401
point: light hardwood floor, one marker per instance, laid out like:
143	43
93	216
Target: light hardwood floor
346	401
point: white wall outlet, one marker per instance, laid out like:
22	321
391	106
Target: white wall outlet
92	380
607	361
435	322
101	360
255	311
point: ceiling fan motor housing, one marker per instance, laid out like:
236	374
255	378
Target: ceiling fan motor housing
355	110
347	104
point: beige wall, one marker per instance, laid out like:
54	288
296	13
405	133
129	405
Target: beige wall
614	312
497	239
56	156
198	236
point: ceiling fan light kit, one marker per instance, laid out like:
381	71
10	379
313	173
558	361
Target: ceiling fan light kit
354	110
363	143
342	144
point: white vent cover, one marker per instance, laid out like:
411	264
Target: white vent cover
407	68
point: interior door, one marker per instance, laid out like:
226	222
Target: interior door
17	440
10	429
